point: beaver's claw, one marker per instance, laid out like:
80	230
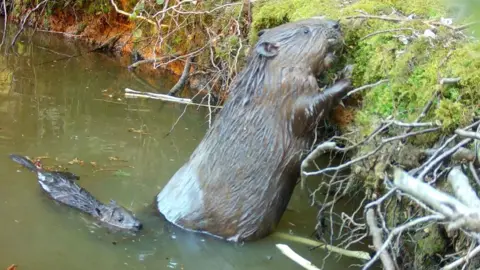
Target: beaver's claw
347	72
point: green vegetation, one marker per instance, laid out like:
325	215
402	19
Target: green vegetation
411	61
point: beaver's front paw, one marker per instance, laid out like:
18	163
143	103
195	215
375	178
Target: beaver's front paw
329	59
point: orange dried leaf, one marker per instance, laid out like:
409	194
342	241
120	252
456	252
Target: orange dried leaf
12	267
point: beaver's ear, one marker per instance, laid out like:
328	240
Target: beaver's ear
261	32
98	211
267	49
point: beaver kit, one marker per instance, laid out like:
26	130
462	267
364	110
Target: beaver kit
238	181
61	187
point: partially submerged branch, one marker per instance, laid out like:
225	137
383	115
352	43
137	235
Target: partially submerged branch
362	255
287	251
137	94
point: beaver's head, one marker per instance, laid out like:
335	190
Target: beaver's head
301	43
118	217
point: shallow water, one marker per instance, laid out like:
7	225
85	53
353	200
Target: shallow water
61	109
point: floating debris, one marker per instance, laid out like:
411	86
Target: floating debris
139	131
114	158
76	161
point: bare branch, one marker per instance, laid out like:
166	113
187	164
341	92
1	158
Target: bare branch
449	81
387	31
183	79
399	230
461	261
434	162
462	189
130	15
287	251
367	86
350	253
468	134
320	150
376	234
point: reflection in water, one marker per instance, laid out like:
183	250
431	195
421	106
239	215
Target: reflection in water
63	109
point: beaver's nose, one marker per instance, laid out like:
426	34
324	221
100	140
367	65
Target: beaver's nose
139	226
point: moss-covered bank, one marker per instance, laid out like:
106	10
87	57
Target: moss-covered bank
412	62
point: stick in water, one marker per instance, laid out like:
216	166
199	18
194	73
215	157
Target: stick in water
287	251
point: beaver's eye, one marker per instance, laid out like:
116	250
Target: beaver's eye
120	219
306	30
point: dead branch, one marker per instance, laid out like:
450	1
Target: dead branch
130	14
449	81
5	17
462	189
387	31
358	159
462	260
362	255
459	214
287	251
434	162
376	234
183	79
468	134
399	230
24	20
367	86
137	94
385	18
320	150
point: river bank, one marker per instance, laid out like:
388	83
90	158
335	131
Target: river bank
416	62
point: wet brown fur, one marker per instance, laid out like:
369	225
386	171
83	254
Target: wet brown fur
239	180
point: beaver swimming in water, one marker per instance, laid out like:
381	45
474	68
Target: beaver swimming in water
61	187
238	181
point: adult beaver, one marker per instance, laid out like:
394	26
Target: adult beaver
61	187
238	181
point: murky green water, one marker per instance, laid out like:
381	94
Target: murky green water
63	110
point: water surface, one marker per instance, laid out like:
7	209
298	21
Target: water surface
73	109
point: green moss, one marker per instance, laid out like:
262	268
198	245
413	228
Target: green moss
413	68
267	14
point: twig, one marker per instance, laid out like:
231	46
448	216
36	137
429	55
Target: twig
468	134
449	81
376	234
441	157
399	230
386	31
462	189
462	260
5	17
474	173
130	15
287	251
367	86
320	150
137	94
183	79
25	19
385	18
382	144
362	255
411	125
